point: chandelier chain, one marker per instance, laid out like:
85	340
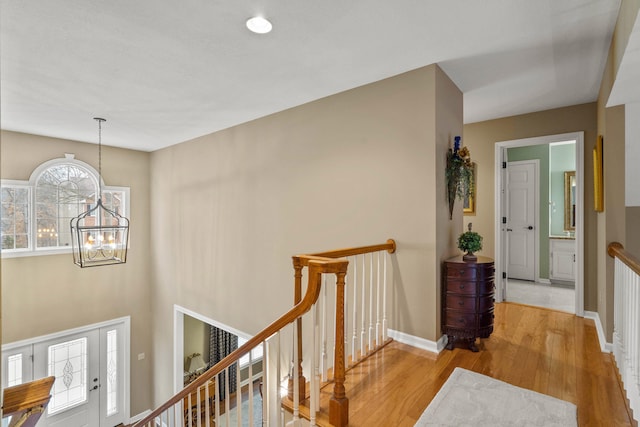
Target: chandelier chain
99	120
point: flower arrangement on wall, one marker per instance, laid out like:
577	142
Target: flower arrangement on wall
459	174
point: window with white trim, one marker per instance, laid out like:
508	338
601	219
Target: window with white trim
14	211
36	214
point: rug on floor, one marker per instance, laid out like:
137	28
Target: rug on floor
471	399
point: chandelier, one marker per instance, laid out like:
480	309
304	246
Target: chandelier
100	235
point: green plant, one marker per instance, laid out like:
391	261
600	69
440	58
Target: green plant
470	241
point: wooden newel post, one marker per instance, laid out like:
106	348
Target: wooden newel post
297	266
339	404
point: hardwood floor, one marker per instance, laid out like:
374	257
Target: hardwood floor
547	351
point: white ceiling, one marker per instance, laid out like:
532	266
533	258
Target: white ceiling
165	72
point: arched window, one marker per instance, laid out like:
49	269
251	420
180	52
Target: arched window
36	214
62	191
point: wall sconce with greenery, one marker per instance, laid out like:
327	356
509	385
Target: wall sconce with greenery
459	174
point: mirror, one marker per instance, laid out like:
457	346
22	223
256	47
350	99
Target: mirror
569	200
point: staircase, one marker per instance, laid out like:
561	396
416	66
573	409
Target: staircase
334	325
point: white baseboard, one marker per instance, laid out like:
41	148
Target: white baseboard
421	343
605	346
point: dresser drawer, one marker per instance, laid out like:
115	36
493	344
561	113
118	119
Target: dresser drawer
461	287
462	303
460	320
471	272
461	272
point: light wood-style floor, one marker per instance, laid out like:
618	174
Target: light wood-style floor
539	349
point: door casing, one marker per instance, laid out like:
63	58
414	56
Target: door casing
499	209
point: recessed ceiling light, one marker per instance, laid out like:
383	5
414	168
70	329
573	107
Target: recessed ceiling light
259	25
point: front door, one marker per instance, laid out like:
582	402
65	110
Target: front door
521	219
89	367
74	361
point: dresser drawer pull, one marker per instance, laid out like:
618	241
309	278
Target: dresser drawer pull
460	303
461	272
461	286
461	320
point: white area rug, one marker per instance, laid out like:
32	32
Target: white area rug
471	399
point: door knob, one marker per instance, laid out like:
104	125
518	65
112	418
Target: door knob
530	227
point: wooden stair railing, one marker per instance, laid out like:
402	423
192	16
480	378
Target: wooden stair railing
339	403
318	264
626	322
26	402
316	269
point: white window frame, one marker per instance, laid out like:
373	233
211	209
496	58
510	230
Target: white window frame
31	185
7	183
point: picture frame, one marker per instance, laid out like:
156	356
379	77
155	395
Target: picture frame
469	203
598	180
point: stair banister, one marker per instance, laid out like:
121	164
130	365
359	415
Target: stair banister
316	268
626	322
318	264
339	403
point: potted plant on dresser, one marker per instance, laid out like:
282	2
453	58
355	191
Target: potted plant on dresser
470	242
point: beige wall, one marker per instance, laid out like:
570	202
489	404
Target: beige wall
611	125
46	294
632	230
481	138
351	169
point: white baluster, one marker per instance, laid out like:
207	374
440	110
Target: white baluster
250	387
227	399
323	359
346	317
266	391
370	348
384	302
314	367
363	333
217	402
354	343
278	395
378	325
296	381
189	411
333	309
207	406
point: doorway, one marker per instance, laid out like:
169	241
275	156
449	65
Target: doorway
183	321
503	229
91	366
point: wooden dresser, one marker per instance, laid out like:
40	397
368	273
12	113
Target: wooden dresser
467	300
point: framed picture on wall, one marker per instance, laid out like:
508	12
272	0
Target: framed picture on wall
598	185
469	203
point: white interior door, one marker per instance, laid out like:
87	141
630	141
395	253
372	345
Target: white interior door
521	219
